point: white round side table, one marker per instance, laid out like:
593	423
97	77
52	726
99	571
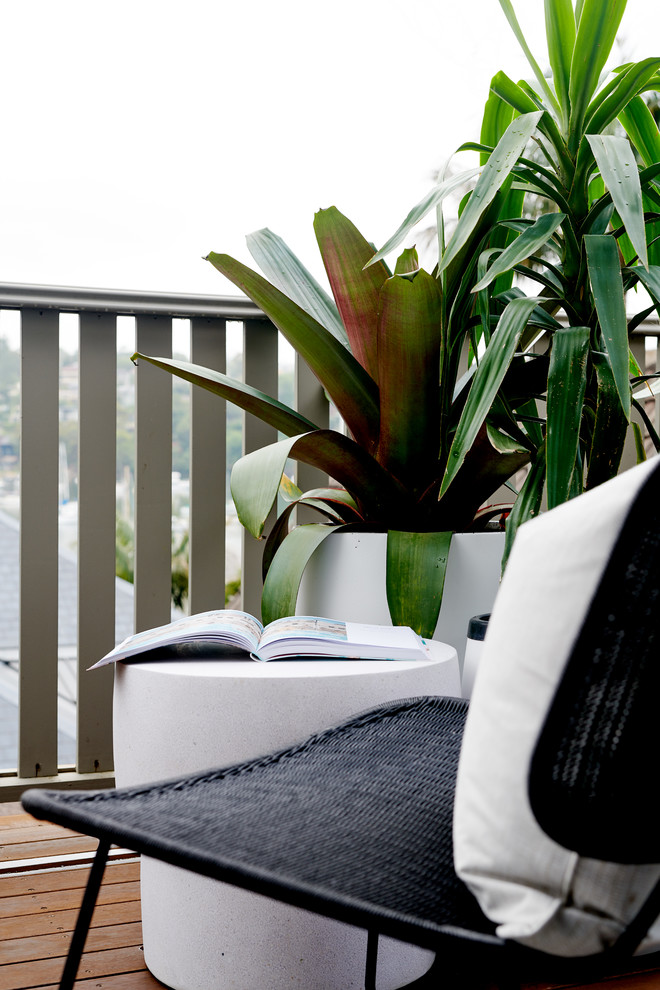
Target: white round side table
175	717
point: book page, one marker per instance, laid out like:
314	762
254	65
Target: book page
383	636
228	626
304	626
308	636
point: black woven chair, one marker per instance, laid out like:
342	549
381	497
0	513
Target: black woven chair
356	823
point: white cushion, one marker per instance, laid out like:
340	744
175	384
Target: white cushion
537	892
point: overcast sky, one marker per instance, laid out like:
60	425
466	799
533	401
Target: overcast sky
139	135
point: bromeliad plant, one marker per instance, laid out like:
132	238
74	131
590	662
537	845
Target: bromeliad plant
426	447
600	190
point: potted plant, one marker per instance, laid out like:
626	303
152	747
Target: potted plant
425	449
428	447
596	238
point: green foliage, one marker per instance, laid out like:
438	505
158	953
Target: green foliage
426	447
422	455
594	241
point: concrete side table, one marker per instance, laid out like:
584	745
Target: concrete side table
177	717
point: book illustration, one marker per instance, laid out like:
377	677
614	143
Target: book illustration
288	638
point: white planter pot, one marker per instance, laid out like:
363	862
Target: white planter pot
345	579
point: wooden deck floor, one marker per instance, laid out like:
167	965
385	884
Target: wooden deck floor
42	878
39	905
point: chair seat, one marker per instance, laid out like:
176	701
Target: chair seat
356	822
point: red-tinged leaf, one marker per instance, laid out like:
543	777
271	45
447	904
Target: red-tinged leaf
351	389
409	345
356	289
275	413
336	511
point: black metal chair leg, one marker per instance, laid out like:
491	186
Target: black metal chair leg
84	916
372	961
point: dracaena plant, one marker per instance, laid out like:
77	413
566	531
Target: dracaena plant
595	170
425	445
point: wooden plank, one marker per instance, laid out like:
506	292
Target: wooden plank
25	904
27	948
56	847
121	981
66	879
35	831
121	913
93	965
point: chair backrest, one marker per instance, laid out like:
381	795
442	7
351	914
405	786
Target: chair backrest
591	784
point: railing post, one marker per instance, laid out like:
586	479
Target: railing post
97	442
208	458
153	477
260	366
38	648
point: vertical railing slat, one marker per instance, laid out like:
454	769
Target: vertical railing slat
37	743
260	365
97	443
311	401
153	477
208	456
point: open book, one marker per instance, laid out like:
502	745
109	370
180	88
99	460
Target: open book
295	636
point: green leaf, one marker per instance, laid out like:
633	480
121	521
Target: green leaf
528	503
603	111
567	378
351	389
280	592
610	426
607	286
255	478
407	262
642	130
281	267
560	32
275	413
639	443
651	281
486	382
497	117
493	176
510	15
618	167
415	578
425	205
355	286
597	27
526	244
338	510
409	346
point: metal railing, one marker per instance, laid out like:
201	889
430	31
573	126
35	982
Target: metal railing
40	308
98	312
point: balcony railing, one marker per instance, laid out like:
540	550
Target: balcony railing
98	312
